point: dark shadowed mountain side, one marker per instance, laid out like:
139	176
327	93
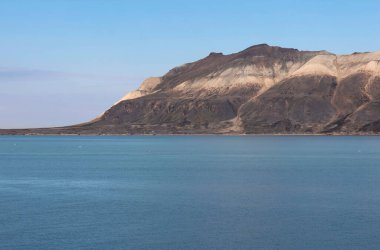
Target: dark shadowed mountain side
260	90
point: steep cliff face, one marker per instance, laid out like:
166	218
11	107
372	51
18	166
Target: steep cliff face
206	96
262	89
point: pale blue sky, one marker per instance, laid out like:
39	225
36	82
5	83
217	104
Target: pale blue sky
64	62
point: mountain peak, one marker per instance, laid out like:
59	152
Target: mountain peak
266	50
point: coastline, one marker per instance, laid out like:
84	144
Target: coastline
190	134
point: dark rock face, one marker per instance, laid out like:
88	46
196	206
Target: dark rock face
172	115
296	105
262	89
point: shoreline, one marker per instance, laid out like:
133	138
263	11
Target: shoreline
196	134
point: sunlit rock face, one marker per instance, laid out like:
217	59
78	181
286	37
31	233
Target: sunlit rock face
260	90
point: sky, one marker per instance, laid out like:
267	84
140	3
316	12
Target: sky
66	61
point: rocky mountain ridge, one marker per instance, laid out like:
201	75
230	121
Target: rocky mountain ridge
260	90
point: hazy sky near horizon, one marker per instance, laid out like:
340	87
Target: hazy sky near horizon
66	61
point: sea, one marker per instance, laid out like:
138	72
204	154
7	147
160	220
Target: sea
189	192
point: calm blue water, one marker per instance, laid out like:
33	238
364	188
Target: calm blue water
189	192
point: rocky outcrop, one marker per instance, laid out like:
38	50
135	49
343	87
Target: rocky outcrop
260	90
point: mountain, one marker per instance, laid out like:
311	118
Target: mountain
260	90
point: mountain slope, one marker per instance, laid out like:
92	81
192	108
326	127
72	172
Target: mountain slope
262	89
